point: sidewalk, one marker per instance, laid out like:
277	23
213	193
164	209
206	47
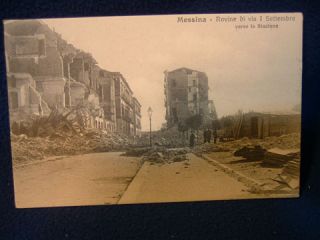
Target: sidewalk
191	180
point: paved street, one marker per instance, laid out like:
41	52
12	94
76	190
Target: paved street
90	179
108	178
192	180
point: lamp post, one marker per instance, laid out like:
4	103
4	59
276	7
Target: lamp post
150	115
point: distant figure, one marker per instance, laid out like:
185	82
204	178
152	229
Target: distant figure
215	136
207	136
204	136
192	138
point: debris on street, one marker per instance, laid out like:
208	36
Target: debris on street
292	168
251	152
277	157
165	156
275	161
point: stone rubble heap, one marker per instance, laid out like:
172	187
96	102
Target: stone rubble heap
60	134
158	155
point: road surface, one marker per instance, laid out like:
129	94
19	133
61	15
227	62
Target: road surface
90	179
108	178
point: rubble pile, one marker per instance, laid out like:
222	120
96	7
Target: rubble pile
209	147
167	138
290	175
164	156
292	168
251	152
253	148
102	141
277	157
26	148
59	134
136	152
56	124
288	141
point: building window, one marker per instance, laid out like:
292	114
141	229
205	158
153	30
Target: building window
194	83
174	84
30	46
195	97
189	89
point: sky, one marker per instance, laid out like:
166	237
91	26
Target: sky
248	69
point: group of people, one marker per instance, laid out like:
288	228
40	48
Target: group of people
207	135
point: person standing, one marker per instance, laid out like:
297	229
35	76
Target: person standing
215	135
192	138
209	134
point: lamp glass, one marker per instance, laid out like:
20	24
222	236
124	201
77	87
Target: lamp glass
150	112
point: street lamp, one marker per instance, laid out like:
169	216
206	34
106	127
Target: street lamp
150	115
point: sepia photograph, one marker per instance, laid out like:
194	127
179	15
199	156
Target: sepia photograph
154	109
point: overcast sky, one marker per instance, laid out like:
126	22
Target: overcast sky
257	69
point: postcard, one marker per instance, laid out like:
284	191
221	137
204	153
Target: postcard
152	109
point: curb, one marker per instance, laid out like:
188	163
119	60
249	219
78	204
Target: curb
249	182
50	159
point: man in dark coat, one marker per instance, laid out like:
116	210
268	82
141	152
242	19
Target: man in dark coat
209	135
192	138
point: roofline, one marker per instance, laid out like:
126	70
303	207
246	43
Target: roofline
178	69
119	74
124	79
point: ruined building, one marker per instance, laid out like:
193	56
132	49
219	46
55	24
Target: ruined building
31	48
137	117
124	106
44	71
108	98
186	95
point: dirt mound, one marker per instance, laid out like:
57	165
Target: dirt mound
166	137
209	147
136	152
165	156
288	141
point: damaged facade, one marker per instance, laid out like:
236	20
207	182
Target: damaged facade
137	117
186	95
124	105
31	48
45	72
